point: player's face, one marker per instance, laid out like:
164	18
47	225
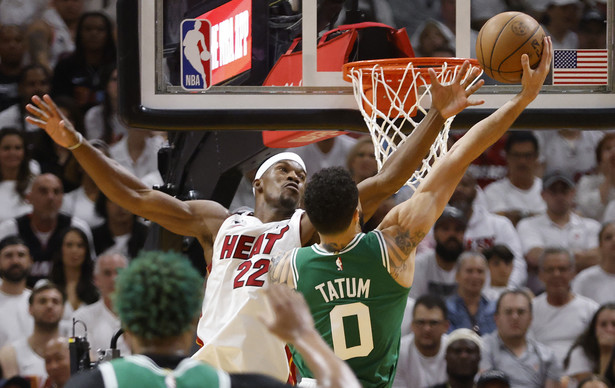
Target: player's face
283	184
514	316
428	326
462	358
47	308
15	263
472	274
605	328
557	272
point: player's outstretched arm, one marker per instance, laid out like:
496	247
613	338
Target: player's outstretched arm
447	101
193	218
293	323
406	224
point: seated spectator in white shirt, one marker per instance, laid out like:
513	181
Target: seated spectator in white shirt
560	316
595	191
592	350
138	151
421	354
558	226
500	263
486	229
99	318
518	194
15	264
15	174
435	270
598	282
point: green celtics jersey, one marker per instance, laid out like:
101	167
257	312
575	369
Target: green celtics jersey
357	306
141	371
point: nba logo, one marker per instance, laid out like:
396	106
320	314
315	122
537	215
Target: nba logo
195	62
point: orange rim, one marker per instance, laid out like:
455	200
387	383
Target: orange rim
396	66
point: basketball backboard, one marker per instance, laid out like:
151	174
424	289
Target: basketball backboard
160	89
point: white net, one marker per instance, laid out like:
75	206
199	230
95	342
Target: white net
390	105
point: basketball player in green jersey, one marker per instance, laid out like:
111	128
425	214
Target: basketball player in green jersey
357	284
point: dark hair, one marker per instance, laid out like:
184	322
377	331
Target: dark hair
11	240
515	137
500	251
516	291
331	198
588	341
44	285
109	50
34	66
86	291
159	295
601	143
23	174
431	301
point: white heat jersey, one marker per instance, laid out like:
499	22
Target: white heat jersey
233	337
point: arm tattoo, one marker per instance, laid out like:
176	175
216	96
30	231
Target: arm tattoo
400	247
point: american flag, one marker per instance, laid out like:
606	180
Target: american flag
580	67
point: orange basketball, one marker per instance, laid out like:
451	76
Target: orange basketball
501	42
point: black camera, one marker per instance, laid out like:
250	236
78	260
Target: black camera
79	349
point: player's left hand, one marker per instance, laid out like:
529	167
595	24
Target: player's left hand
453	98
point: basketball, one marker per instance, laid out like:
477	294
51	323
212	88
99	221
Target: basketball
501	42
205	55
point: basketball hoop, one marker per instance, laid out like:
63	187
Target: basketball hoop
390	93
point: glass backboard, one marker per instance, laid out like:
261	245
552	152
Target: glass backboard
257	74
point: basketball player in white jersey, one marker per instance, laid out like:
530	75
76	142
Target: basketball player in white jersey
239	247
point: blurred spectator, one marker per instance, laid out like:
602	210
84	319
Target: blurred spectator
12	50
23	357
500	263
468	307
121	231
529	363
559	226
595	191
570	150
102	121
99	317
15	264
435	270
73	271
56	159
15	174
411	14
592	30
483	10
485	229
21	12
81	202
41	228
57	362
33	80
361	159
490	166
53	36
463	355
561	20
421	354
80	75
592	350
325	153
559	315
594	381
518	194
598	282
493	378
430	37
138	151
108	7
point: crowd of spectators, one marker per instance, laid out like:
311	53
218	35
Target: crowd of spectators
523	259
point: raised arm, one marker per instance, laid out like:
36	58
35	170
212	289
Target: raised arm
406	224
447	101
293	323
200	219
